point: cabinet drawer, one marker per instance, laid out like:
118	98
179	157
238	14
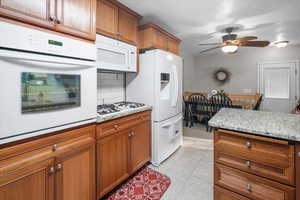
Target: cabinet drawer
252	186
123	123
223	194
262	156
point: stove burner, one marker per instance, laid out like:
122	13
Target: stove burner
117	107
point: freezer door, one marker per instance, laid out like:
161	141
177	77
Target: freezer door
167	138
168	86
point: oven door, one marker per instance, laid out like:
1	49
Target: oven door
41	93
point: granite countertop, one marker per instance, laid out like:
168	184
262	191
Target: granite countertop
271	124
115	115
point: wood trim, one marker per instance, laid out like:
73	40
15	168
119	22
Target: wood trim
158	28
122	6
44	30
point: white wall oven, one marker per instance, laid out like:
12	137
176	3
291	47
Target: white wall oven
47	83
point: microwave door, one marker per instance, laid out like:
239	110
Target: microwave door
112	58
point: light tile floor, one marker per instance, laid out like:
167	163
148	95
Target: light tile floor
191	171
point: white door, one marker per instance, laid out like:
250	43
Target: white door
168	86
278	82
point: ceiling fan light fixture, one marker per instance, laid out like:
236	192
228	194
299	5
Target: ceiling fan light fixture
281	44
230	49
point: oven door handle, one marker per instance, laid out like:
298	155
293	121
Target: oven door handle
33	60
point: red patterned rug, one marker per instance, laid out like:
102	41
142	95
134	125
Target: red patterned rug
146	185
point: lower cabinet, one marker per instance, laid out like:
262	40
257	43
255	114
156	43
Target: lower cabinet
223	194
59	167
122	150
112	159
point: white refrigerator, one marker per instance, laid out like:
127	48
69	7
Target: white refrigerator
159	84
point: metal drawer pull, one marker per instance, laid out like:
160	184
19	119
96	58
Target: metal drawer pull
299	154
132	134
248	164
116	126
59	166
54	148
248	144
249	187
51	170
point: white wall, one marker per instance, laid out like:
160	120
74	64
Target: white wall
110	88
242	65
188	68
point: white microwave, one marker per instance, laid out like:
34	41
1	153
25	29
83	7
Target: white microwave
114	55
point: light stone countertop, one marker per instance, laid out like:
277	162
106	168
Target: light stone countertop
271	124
104	118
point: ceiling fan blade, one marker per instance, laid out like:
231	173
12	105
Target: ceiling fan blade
255	43
209	44
206	50
247	38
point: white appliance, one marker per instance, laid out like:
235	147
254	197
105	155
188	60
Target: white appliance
114	55
159	84
47	82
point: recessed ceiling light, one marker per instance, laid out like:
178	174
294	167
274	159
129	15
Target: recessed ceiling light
281	44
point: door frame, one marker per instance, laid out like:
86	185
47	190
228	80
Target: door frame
297	76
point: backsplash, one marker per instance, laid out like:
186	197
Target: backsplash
110	87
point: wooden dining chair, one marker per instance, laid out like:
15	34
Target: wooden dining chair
199	109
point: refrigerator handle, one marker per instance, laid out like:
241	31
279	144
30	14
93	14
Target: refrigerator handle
175	98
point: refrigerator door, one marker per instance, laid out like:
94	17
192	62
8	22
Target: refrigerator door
167	138
167	86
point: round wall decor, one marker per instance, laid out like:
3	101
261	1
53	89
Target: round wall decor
222	76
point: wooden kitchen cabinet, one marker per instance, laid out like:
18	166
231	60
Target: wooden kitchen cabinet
75	171
297	155
33	12
112	162
107	18
34	181
57	167
73	17
123	147
140	138
151	36
77	17
117	21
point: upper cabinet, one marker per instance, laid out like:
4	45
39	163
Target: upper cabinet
34	12
77	17
152	36
117	21
74	17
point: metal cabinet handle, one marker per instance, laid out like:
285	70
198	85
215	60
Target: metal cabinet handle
132	134
51	18
116	126
55	147
248	144
51	170
249	187
299	154
248	163
58	21
129	135
58	166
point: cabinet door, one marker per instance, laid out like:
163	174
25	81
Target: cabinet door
127	27
112	161
140	142
34	12
75	171
107	18
77	17
34	182
297	164
173	46
160	40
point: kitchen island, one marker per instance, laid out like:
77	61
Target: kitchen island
256	155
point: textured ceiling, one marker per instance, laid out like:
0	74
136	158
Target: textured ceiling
199	21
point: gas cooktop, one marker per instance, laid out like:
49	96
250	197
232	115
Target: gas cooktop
105	109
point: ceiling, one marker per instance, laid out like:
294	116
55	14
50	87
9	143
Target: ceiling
199	21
